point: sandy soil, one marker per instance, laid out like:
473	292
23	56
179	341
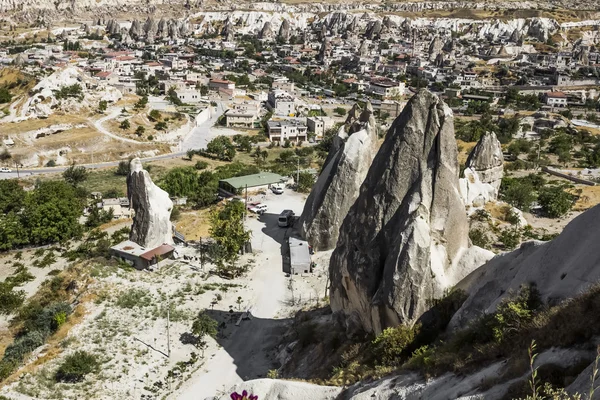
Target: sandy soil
133	343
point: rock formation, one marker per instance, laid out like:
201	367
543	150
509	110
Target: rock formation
373	29
152	205
484	171
284	31
413	238
560	269
338	185
266	32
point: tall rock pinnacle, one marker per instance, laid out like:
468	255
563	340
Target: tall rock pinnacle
337	188
152	205
405	239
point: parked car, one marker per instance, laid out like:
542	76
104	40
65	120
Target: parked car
5	169
259	209
277	189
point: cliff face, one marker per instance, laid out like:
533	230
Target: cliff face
152	205
338	184
405	239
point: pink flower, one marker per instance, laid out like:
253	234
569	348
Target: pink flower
243	396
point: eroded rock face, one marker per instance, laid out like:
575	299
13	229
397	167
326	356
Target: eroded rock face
338	184
405	239
152	205
484	171
560	269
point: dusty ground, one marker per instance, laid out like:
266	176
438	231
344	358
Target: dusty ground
131	340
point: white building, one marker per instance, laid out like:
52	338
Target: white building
556	99
189	96
386	87
292	130
318	125
281	103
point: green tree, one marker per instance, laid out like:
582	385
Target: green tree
172	96
51	212
102	106
305	182
140	130
518	193
161	126
203	326
141	103
125	124
154	115
76	366
222	148
75	175
555	201
5	96
339	111
182	181
228	231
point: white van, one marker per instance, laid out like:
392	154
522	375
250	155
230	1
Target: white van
285	218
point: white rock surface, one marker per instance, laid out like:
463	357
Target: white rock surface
562	268
152	205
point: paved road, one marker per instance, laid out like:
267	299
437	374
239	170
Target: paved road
197	139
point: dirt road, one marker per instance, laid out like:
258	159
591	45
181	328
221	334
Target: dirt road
244	354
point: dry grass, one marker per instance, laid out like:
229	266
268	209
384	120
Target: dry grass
589	196
193	224
464	148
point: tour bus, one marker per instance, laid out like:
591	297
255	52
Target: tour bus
285	218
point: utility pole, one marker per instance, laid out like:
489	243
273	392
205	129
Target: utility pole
168	333
17	165
298	172
246	203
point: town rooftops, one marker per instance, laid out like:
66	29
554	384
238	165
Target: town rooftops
220	81
556	95
260	179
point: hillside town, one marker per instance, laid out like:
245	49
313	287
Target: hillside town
281	201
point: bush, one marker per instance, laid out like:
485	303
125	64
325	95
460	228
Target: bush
510	238
200	165
555	202
392	343
134	298
479	238
76	366
10	299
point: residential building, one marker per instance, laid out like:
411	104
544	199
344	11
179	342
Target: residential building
244	115
255	182
386	87
318	125
281	103
218	84
189	96
292	130
556	99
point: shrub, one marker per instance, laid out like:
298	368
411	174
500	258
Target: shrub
76	366
510	237
200	165
134	298
479	238
391	344
10	299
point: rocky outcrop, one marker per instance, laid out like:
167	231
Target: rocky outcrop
338	184
560	269
484	171
413	238
284	31
152	205
266	32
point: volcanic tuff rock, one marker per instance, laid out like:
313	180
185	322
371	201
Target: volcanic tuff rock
484	171
152	205
405	239
560	269
284	31
338	185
